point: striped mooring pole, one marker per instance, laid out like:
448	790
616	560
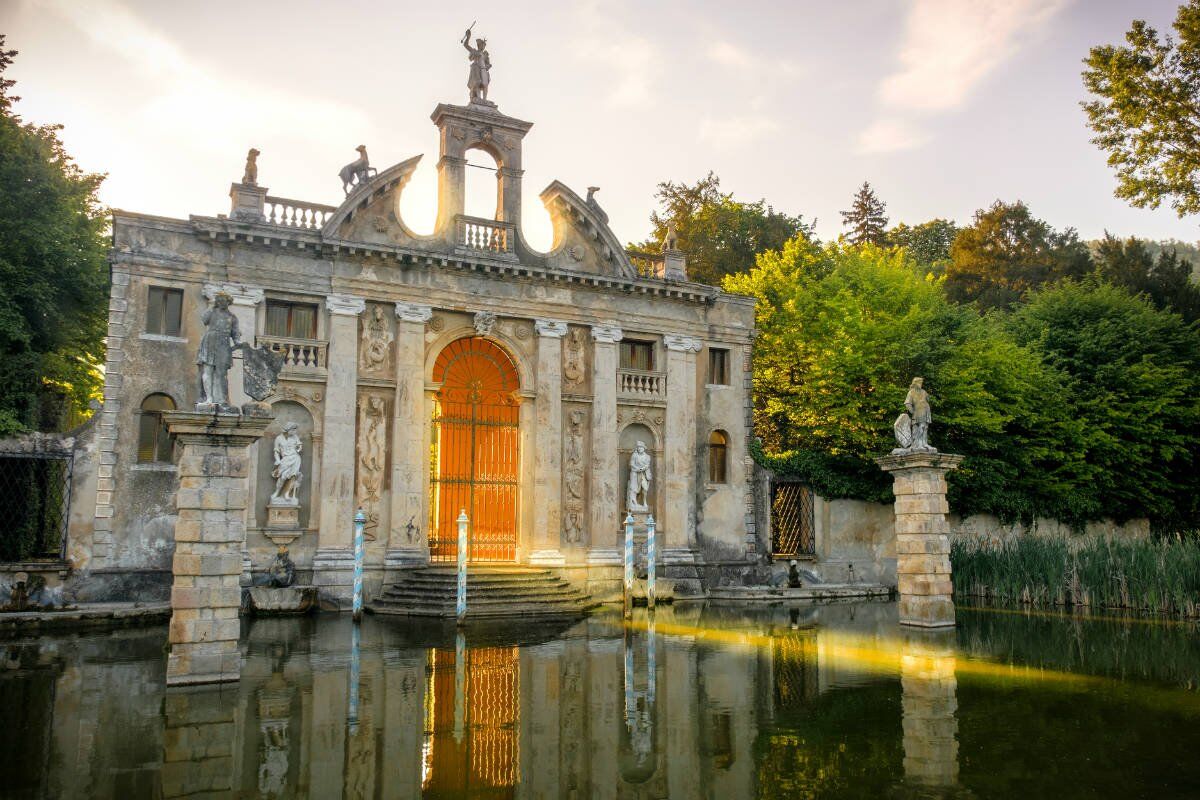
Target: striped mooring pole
628	566
360	520
460	605
651	565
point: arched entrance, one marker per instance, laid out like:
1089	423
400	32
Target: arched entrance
475	454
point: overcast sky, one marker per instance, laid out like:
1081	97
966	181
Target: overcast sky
943	105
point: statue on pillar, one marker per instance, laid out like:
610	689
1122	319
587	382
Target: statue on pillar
215	357
287	472
250	176
481	69
912	426
638	493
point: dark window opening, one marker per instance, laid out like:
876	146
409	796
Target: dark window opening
291	320
154	440
718	450
637	355
718	367
164	311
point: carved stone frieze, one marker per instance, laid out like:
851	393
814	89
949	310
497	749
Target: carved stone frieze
371	457
684	344
375	348
574	360
574	477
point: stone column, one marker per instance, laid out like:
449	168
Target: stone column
929	701
547	454
209	535
333	563
606	514
677	475
922	536
410	452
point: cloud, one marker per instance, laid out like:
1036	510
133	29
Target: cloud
633	61
732	130
948	48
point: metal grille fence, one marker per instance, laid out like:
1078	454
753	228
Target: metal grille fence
35	488
792	528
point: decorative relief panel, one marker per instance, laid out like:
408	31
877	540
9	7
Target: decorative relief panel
574	474
575	365
371	458
375	346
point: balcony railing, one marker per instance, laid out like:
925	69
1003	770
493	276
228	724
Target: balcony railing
300	356
479	235
648	265
296	213
641	385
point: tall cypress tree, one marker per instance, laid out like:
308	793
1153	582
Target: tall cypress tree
866	218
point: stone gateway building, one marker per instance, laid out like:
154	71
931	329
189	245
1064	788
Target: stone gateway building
423	375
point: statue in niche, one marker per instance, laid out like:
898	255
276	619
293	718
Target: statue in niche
376	341
282	572
371	449
287	472
481	69
638	494
250	176
215	356
574	371
357	171
912	426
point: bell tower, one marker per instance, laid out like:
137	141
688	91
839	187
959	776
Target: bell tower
477	127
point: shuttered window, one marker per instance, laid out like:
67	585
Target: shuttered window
291	320
164	311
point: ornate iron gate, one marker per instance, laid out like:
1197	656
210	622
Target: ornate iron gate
475	459
792	527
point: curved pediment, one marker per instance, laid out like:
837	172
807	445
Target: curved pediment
371	213
582	238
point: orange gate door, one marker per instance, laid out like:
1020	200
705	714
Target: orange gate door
475	459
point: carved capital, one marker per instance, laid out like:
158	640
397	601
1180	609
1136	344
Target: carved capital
607	334
242	295
550	328
345	305
683	344
413	312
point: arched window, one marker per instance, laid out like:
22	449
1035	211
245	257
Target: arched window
154	440
718	446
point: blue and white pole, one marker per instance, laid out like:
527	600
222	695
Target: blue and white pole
360	520
628	566
460	686
651	562
460	606
355	668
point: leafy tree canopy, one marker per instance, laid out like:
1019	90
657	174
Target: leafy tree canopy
720	235
53	274
1166	278
928	243
1146	112
866	220
1007	251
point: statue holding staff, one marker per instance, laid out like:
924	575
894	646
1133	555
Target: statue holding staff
481	68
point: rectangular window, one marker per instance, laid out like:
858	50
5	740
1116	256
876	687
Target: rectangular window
718	366
291	320
164	311
637	355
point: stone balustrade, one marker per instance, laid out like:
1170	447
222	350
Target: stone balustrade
479	235
304	356
638	384
296	213
648	265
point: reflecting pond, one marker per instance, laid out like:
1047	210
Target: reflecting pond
697	702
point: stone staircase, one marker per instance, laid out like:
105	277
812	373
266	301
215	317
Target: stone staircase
492	591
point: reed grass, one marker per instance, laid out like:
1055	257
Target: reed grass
1160	576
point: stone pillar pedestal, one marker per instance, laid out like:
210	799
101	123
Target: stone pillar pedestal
410	442
929	701
547	477
209	536
922	536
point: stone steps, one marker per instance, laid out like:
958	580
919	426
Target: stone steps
492	592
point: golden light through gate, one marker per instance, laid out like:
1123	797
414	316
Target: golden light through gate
475	451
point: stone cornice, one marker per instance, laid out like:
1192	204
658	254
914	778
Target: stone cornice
550	328
919	460
345	304
607	334
684	344
413	312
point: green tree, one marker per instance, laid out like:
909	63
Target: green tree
928	243
720	235
1133	375
1006	252
1166	278
866	219
53	274
1146	112
841	332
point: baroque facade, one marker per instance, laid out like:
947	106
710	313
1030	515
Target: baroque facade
426	375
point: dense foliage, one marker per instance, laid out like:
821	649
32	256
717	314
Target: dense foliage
1165	278
1146	111
927	243
1156	576
866	220
53	275
720	235
1081	403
